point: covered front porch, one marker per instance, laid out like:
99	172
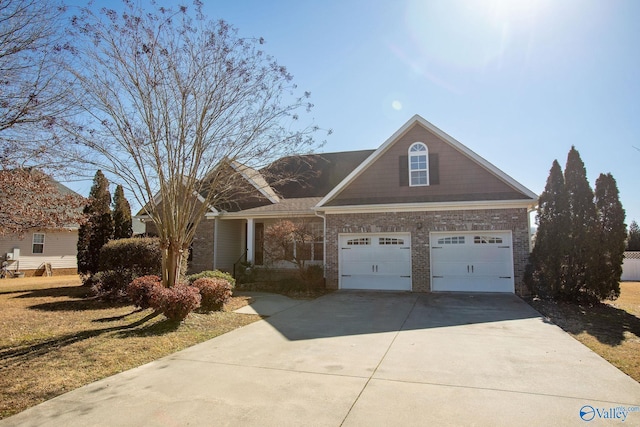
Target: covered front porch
240	236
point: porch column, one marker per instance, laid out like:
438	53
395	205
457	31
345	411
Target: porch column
215	242
251	240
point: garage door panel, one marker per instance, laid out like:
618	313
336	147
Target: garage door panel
491	269
451	268
392	269
358	267
478	284
397	255
376	282
375	261
489	254
358	255
479	261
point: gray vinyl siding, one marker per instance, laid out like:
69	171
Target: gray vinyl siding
229	243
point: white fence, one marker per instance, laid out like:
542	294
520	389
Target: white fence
631	266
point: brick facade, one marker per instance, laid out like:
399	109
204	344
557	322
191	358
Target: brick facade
420	224
201	248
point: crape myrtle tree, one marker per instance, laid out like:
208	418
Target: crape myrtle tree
170	95
612	233
98	228
35	90
288	240
122	224
34	94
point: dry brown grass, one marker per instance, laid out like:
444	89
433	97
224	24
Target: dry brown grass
54	340
611	329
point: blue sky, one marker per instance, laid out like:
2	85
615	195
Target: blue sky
518	82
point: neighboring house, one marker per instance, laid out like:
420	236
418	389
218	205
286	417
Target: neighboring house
30	254
421	213
631	266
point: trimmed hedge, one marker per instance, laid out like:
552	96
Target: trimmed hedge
213	274
142	255
215	292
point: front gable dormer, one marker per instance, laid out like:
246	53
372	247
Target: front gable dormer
421	164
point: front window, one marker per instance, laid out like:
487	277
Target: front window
418	164
310	246
38	243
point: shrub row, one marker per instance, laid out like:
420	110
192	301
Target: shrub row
123	260
213	274
177	302
142	255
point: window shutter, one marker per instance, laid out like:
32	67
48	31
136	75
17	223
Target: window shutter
403	168
434	169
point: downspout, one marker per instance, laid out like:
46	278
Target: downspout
529	211
324	245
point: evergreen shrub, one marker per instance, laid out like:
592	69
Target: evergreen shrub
215	292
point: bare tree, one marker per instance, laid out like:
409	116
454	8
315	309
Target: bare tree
292	241
34	89
34	95
169	96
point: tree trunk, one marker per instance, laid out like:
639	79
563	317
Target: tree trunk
171	263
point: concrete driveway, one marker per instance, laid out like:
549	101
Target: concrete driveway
363	359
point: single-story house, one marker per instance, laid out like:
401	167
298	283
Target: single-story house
42	251
631	266
422	212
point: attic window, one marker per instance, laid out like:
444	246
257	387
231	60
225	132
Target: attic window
418	164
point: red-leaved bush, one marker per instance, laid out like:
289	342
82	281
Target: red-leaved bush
177	302
215	292
146	292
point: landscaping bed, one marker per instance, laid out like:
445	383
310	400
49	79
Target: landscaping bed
54	339
611	329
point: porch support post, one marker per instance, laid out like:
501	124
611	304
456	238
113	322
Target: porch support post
216	224
251	240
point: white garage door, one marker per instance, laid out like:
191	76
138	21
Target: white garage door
481	261
375	261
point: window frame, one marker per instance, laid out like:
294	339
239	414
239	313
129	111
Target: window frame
34	243
414	151
311	250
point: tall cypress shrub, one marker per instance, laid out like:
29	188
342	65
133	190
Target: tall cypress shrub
633	239
122	225
611	233
581	240
545	272
98	228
